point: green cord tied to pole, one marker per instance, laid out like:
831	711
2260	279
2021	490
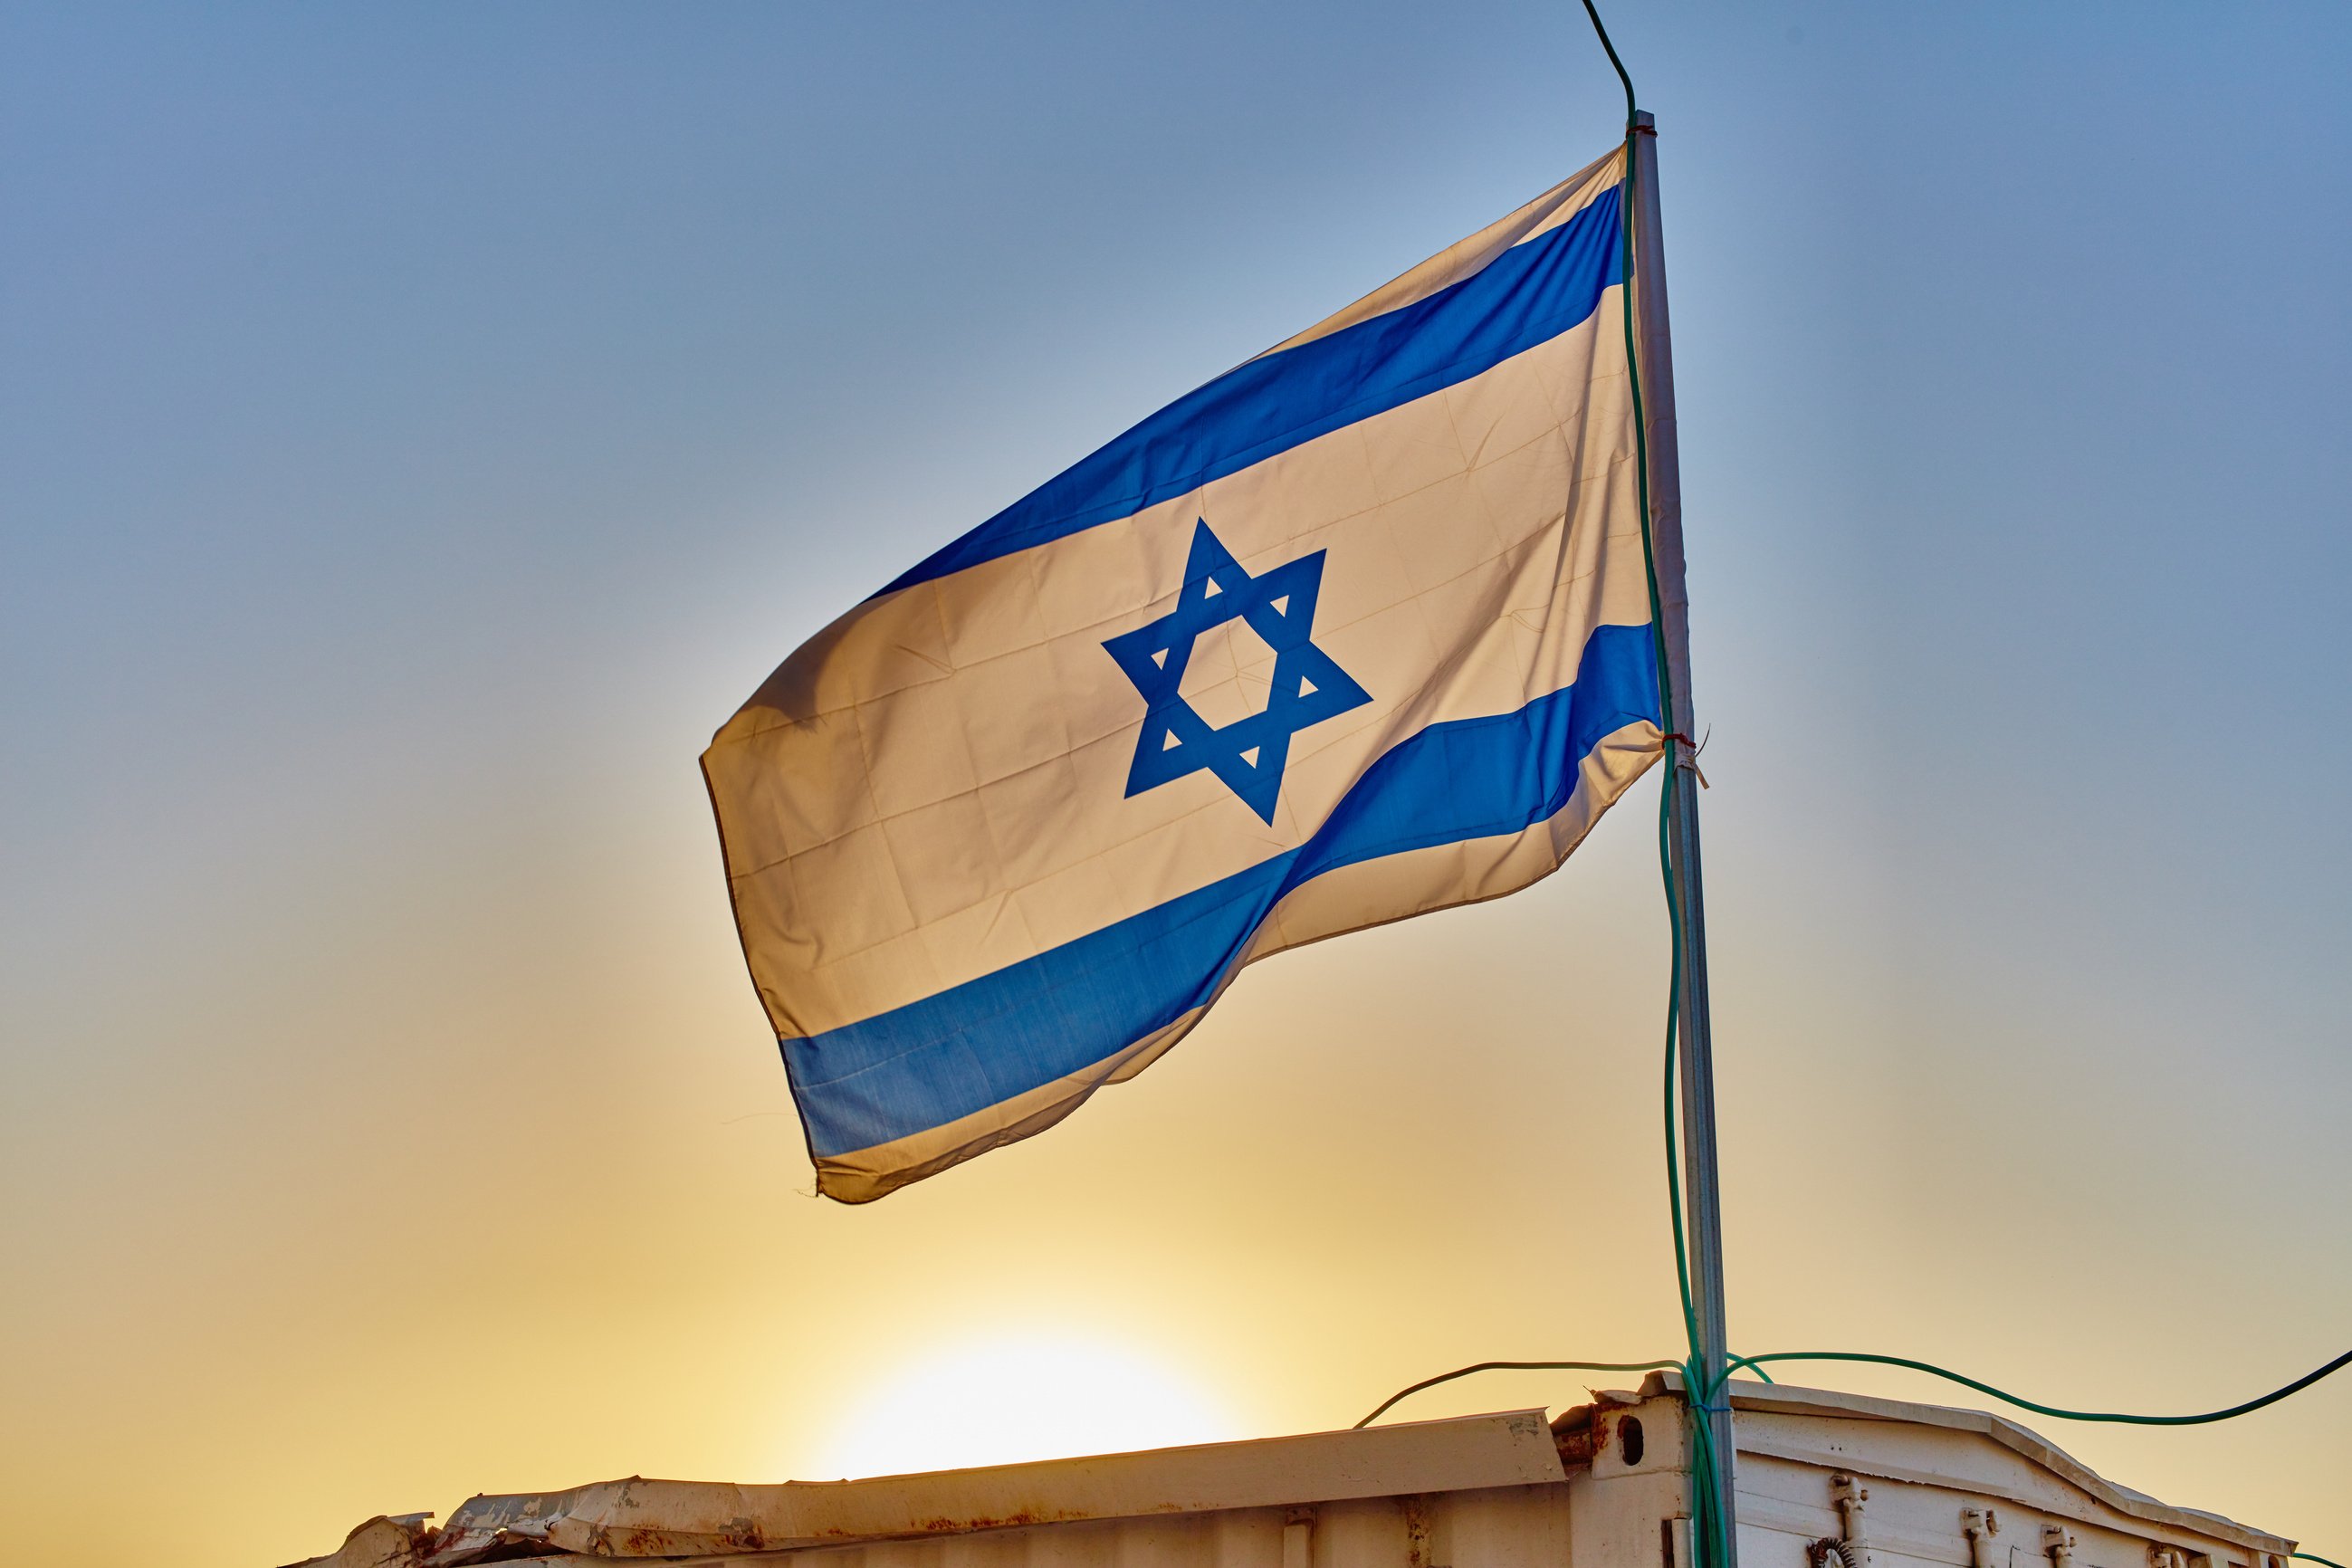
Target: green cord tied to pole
1755	1364
1711	1530
1701	1389
1702	1394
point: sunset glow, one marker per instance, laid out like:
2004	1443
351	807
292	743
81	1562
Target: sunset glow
421	426
1007	1399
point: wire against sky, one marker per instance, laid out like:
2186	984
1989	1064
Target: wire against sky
1755	1364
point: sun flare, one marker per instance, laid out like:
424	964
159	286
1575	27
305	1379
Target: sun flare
1011	1397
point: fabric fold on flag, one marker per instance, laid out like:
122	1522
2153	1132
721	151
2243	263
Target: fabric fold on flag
1358	630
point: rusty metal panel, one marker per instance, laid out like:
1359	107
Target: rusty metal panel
639	1518
1519	1527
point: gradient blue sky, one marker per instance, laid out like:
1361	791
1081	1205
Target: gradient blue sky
421	426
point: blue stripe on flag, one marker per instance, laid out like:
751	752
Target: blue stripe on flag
1529	294
975	1044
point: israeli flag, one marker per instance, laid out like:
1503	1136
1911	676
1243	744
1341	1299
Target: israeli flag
1358	630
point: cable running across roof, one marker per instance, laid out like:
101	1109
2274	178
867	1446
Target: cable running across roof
1712	1529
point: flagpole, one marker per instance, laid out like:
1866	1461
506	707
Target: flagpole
1703	1216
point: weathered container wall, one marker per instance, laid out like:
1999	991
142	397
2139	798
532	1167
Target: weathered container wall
1504	1526
1825	1480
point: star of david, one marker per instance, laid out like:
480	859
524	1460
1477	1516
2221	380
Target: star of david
1308	687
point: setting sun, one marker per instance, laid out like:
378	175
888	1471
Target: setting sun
666	668
1007	1399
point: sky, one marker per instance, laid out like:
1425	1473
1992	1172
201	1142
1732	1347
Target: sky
421	426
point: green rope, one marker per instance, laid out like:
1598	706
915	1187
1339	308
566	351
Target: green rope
2250	1405
1713	1530
1703	1458
1626	192
1753	1364
1699	1389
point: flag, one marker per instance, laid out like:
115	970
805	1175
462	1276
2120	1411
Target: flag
1357	630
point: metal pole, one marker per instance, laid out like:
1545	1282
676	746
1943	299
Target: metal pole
1703	1222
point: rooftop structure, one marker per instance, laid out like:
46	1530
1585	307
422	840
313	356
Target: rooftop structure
1825	1480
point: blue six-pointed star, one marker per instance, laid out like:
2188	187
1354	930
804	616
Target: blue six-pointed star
1308	687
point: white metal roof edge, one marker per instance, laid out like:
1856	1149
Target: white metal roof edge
639	1518
1788	1399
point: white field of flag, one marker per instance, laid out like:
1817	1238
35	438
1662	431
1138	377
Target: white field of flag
987	857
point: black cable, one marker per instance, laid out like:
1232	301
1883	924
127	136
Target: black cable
1510	1366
